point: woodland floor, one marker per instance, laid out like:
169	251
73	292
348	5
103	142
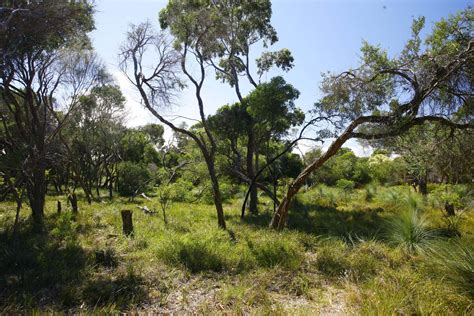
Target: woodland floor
334	259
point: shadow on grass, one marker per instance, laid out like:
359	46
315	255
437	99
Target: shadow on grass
35	269
326	221
51	271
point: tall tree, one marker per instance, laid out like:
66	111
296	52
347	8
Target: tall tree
39	56
95	130
221	34
387	96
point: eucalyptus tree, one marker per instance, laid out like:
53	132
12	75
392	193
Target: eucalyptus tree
95	131
44	68
430	81
221	34
269	112
206	33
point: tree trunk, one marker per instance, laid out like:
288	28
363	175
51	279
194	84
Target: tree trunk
280	217
423	186
127	223
73	201
36	190
251	171
59	208
449	208
216	193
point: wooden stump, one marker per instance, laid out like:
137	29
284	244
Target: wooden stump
59	208
127	223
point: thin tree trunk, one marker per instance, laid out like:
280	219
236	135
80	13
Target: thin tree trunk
251	172
18	198
216	193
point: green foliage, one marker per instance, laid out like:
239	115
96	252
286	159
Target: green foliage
455	261
69	22
410	230
345	185
65	229
132	178
381	168
343	165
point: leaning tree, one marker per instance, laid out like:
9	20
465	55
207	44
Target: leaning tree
430	81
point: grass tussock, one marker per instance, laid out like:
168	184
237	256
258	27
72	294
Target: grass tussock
410	230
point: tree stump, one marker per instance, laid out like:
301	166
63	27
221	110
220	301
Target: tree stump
127	223
59	208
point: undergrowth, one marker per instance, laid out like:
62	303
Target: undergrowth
375	250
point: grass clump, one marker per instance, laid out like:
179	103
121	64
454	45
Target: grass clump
331	258
406	291
357	262
410	230
204	250
276	249
455	262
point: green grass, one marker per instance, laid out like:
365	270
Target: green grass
334	257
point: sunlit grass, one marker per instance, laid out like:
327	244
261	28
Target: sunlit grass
334	254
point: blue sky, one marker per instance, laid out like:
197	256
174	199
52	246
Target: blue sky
323	35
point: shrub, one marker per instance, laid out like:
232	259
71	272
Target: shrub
65	229
370	192
346	185
132	177
182	191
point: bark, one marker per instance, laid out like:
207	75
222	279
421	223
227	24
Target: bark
251	171
127	223
216	193
36	190
73	201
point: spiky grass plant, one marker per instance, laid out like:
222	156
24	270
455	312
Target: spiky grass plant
410	230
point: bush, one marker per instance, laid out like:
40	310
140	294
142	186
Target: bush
182	191
346	185
65	229
370	192
132	177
